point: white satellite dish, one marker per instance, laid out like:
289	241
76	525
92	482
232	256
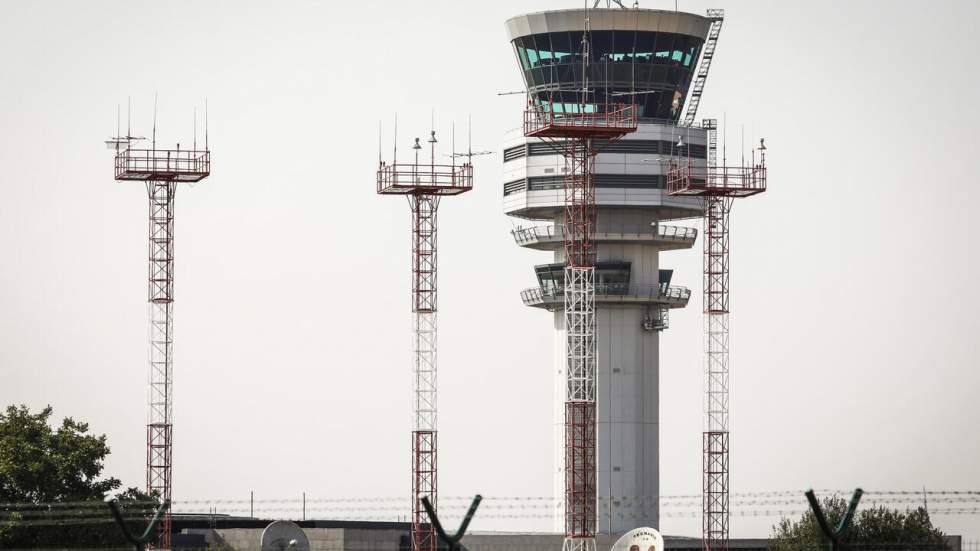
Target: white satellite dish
283	535
640	539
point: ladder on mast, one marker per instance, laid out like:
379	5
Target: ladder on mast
717	17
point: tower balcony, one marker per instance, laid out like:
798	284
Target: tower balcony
666	238
163	165
553	297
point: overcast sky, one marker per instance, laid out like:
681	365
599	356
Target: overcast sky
854	279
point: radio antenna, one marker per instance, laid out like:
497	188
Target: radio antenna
206	124
154	120
117	127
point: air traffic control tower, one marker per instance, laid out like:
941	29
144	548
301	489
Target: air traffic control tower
649	57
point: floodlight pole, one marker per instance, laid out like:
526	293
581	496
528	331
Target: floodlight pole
424	185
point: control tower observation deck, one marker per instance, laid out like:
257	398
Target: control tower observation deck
655	54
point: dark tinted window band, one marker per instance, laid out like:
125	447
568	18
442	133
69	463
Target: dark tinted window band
632	181
515	152
514	186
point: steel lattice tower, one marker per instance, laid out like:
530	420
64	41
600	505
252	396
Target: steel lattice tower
424	185
719	186
161	170
579	136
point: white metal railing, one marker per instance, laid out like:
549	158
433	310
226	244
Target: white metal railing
536	234
538	295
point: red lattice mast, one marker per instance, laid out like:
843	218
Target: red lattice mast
719	186
579	134
161	170
424	185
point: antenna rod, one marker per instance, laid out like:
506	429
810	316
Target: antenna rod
379	142
154	120
394	154
117	129
469	140
206	124
129	115
195	128
724	140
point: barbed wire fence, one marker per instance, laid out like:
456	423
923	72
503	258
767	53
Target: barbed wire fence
771	504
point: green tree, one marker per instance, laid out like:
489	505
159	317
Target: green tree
51	487
40	464
875	528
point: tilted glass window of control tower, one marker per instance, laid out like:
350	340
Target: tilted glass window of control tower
659	63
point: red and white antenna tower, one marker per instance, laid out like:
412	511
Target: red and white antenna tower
719	186
161	170
424	185
578	126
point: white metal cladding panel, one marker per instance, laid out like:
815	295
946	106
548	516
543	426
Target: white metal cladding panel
540	165
650	198
608	19
627	463
560	391
604	346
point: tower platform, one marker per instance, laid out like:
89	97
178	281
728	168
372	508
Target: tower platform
409	178
163	165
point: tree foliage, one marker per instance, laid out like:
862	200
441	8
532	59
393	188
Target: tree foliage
51	489
40	464
874	528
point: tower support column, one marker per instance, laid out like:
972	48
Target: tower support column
159	429
580	346
715	516
424	436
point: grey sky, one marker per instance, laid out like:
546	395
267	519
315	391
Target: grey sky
854	277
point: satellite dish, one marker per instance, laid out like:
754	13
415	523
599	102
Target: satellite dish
283	535
639	539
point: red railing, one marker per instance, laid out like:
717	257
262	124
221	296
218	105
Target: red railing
163	164
738	181
596	119
402	178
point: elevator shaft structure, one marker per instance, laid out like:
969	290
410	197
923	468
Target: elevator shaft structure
718	187
424	185
161	170
579	134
